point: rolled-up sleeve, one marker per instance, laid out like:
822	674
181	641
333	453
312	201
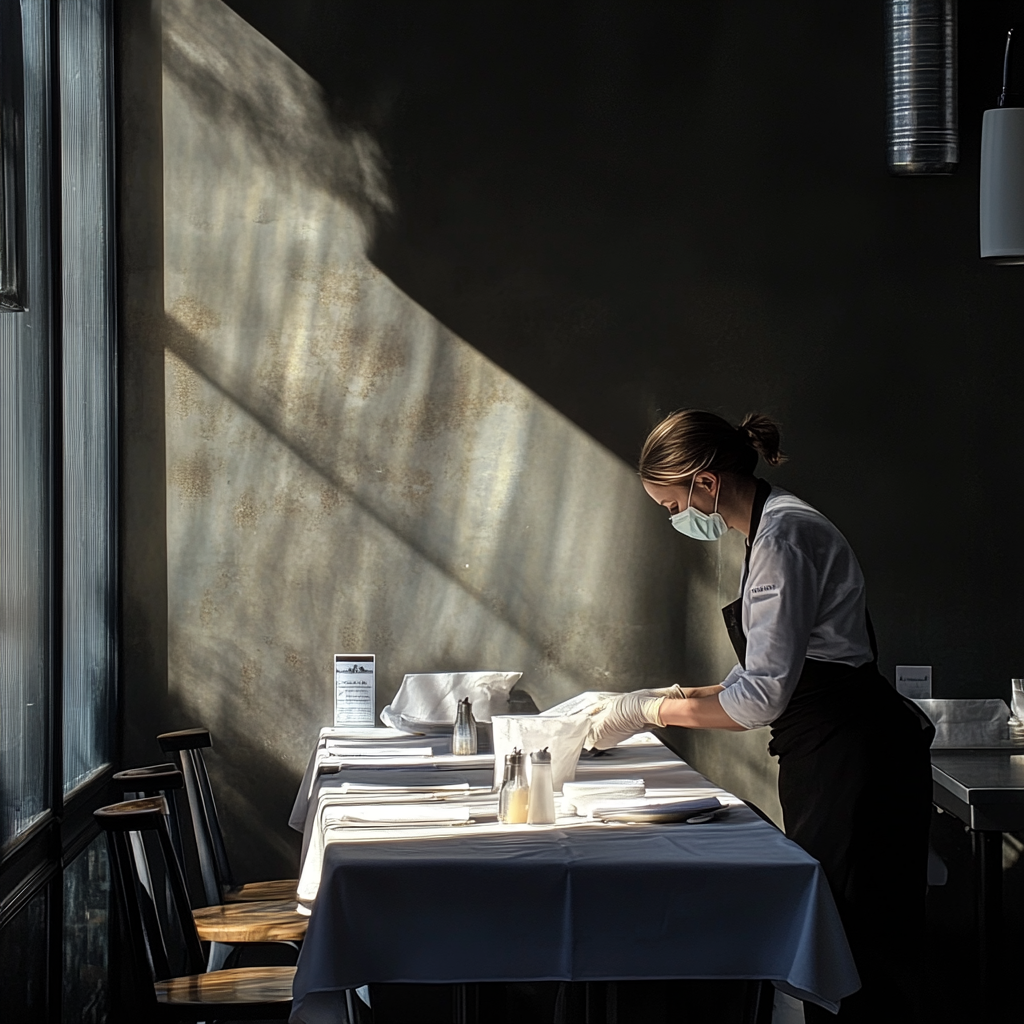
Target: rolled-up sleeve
780	605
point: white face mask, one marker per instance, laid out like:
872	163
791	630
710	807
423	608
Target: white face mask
691	522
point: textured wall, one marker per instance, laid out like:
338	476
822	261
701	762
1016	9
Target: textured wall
345	474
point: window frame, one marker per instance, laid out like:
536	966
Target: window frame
34	860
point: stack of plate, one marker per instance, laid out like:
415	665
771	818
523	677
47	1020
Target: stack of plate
581	797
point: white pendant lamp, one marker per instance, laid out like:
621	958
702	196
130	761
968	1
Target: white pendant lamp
1002	178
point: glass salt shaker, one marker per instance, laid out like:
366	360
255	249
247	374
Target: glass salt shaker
464	736
514	799
502	797
542	796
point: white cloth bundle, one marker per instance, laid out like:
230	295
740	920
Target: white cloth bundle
427	701
564	737
581	702
968	723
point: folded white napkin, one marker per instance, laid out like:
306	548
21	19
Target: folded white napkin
386	814
580	797
368	788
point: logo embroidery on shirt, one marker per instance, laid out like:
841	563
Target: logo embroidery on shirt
764	588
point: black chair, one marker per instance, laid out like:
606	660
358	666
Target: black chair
224	927
219	882
163	941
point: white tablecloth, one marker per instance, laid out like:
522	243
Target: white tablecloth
731	899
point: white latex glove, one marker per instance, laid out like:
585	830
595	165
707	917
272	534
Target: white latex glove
622	716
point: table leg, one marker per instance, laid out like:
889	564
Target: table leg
987	850
760	1002
465	1004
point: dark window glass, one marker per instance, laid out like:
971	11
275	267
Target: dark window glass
24	470
23	964
88	347
87	911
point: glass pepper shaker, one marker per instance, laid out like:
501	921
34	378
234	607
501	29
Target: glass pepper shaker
464	736
506	775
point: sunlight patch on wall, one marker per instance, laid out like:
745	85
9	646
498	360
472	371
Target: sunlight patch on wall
344	473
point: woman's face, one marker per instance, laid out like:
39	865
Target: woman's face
676	497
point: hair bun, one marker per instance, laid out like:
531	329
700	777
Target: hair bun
762	434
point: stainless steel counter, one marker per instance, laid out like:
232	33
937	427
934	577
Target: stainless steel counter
984	788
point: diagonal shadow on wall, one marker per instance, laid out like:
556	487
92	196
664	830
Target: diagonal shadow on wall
345	474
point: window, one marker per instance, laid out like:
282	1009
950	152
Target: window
88	381
58	686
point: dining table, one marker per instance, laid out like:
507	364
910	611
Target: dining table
410	878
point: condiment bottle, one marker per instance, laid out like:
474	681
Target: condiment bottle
542	797
464	736
514	799
502	794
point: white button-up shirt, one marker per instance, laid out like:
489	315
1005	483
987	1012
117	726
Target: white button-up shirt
803	597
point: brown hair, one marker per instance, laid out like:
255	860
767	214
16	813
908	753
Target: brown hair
690	441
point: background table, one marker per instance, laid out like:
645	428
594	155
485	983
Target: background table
732	899
984	788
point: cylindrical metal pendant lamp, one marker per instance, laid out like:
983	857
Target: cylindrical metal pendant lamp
922	134
1002	178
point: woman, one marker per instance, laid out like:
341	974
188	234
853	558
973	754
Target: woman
854	773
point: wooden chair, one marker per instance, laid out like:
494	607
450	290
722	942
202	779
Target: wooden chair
163	940
218	880
225	927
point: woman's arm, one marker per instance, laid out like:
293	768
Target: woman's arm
701	691
703	712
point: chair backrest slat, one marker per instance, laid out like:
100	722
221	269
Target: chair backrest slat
212	887
154	781
121	860
145	896
186	746
220	852
152	890
194	961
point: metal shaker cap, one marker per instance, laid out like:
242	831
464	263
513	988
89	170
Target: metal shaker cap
541	756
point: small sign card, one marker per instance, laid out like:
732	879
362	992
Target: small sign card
914	681
354	698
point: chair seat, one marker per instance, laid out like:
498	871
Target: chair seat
281	889
240	985
251	922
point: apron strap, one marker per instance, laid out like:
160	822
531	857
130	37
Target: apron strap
761	492
871	635
733	612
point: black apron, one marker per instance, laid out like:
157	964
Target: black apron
855	789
